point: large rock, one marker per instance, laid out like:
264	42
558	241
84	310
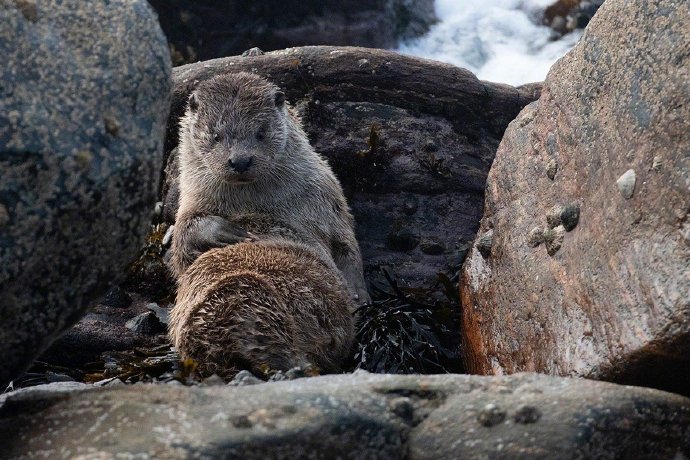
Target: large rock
608	295
208	29
84	95
351	416
411	141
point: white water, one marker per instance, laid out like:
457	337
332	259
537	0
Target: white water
498	40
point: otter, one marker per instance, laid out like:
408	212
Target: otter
242	151
269	271
265	306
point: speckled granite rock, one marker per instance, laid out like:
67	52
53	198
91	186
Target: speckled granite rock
351	416
601	165
84	94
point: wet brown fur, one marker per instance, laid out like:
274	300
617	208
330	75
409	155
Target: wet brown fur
278	307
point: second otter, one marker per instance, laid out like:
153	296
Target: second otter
246	164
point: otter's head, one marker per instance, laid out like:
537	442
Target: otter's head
236	125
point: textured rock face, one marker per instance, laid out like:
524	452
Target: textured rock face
352	416
410	140
84	94
607	293
208	29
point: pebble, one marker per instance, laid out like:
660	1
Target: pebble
160	312
253	52
146	323
244	378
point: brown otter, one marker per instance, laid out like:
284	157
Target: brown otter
266	305
248	173
243	152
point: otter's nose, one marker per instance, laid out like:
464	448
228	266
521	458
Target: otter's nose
241	164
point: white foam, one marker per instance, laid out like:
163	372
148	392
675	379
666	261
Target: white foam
498	40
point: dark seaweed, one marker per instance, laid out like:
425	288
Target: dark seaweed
404	331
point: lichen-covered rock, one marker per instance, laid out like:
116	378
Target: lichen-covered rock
608	294
199	30
411	141
84	94
351	416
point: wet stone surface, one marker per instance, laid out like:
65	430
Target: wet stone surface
351	416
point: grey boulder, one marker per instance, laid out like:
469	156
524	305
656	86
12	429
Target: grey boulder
84	96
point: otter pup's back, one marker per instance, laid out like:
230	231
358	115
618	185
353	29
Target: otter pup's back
268	305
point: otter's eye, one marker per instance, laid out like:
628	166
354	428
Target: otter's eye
216	137
260	135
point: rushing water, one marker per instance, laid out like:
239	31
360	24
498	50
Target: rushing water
498	40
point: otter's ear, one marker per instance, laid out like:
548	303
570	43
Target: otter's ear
279	99
192	103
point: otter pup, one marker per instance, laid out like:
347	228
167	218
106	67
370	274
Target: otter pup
264	250
242	152
263	306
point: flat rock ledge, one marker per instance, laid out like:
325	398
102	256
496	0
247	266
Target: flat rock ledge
360	415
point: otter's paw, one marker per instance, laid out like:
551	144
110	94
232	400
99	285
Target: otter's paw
216	231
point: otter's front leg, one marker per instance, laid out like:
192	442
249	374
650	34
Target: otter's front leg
195	235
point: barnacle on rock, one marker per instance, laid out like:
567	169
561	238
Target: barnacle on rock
570	216
626	183
535	237
552	169
553	239
553	216
485	243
